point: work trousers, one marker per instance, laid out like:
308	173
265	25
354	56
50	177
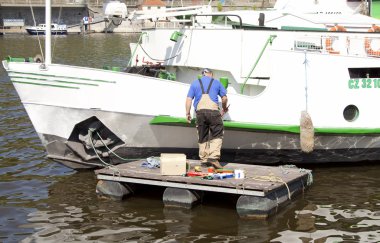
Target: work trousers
210	134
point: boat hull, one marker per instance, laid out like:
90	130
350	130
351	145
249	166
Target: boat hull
142	139
42	32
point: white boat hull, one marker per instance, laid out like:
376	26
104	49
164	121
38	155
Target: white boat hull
72	95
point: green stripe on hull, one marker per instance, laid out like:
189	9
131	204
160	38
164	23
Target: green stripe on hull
347	130
48	85
68	77
177	121
58	81
263	127
247	126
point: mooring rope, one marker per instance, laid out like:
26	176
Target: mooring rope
146	53
160	60
97	155
35	24
115	170
285	168
56	33
306	84
134	51
109	150
272	178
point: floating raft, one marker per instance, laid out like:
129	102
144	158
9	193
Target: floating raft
262	192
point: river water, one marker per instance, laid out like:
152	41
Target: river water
43	201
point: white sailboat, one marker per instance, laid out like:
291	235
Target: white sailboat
276	71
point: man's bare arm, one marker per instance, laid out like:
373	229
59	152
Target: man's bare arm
188	108
224	105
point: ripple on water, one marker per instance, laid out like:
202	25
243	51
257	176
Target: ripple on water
327	236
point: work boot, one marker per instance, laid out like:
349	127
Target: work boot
216	164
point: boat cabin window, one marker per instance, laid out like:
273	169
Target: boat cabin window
364	72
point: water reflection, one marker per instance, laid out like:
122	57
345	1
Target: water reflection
343	206
73	212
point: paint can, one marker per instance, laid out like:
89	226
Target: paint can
239	174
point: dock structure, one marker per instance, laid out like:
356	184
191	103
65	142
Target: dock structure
261	193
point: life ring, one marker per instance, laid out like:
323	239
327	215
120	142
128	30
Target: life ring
374	28
368	48
330	40
368	41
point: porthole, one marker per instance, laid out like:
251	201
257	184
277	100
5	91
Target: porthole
351	113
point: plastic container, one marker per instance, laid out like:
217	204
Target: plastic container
197	168
224	170
239	174
223	176
176	34
210	170
19	59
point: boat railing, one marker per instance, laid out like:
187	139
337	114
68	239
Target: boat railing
199	21
339	44
42	2
223	19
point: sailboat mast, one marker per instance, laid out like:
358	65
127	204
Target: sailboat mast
48	32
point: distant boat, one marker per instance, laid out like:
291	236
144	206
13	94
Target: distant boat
41	28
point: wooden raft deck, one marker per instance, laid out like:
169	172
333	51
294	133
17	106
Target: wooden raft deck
259	181
261	193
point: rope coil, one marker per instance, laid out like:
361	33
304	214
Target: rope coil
272	178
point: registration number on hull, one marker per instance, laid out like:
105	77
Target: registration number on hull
364	83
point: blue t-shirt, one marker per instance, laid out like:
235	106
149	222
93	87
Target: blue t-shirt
216	89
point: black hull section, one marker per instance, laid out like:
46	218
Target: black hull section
59	151
35	32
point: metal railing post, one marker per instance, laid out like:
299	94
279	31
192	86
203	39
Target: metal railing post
269	40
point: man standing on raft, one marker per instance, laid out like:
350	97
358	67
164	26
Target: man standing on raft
209	118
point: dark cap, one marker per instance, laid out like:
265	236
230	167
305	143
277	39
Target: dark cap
206	70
